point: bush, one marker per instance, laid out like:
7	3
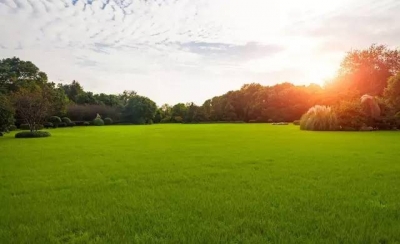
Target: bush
1	134
270	121
108	121
62	124
66	120
12	128
35	134
48	125
350	114
55	120
98	122
149	122
178	119
319	118
71	124
166	120
86	123
296	122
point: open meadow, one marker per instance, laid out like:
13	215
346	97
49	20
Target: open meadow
211	183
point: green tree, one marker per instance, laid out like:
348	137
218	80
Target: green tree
179	111
391	94
16	73
139	110
368	70
6	113
72	90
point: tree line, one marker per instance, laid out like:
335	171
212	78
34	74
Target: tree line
373	71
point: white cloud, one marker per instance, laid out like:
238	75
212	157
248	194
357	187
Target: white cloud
190	50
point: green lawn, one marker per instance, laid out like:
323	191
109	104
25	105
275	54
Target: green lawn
223	183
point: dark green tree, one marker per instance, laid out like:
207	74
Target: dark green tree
6	113
139	110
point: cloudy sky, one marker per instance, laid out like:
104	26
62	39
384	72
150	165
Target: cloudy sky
191	50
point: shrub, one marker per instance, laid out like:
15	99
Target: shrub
178	119
166	120
319	118
66	120
296	122
98	122
108	121
1	134
86	123
88	112
350	114
71	124
149	122
35	134
270	121
55	120
48	125
12	128
62	124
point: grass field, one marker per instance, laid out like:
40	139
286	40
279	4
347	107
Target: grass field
225	183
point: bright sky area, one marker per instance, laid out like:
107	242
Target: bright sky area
184	50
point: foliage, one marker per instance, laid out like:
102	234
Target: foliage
108	121
350	114
370	107
98	122
368	70
86	123
88	112
12	128
32	134
71	124
178	119
62	125
55	120
6	113
139	109
48	125
32	106
66	120
296	122
16	74
319	118
391	94
361	72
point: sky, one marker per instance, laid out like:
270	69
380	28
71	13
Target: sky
191	50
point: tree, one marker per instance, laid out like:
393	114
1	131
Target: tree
367	71
15	73
72	90
139	110
57	98
179	111
32	105
126	95
391	94
6	113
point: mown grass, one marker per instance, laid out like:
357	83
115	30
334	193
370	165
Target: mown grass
242	183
